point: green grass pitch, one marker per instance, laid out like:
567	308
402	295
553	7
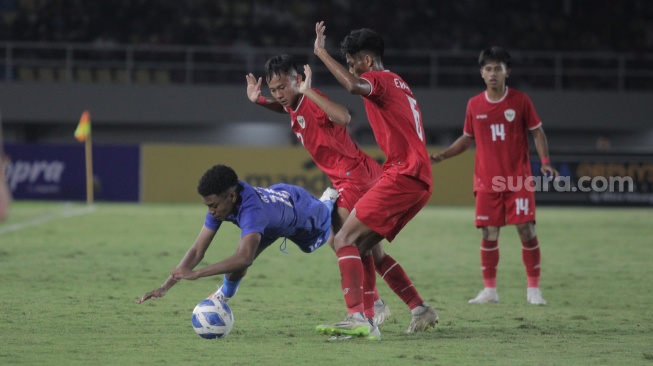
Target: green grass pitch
70	277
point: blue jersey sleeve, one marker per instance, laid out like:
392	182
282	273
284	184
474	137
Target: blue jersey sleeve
211	222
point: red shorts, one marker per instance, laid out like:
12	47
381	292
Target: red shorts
359	181
504	208
392	203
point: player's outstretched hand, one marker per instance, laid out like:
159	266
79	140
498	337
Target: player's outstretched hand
319	37
306	84
154	294
436	158
253	87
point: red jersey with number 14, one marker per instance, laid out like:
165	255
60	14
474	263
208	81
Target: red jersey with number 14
500	131
396	121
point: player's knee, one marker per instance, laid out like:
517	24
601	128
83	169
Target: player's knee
526	231
490	233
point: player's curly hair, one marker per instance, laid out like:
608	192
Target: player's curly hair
280	65
363	40
217	180
494	54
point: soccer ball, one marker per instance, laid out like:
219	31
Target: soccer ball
212	318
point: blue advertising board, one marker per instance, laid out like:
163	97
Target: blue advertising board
58	172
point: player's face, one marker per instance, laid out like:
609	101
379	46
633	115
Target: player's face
357	64
494	74
220	206
285	89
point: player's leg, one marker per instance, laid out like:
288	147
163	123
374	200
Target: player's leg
352	277
490	216
521	213
231	281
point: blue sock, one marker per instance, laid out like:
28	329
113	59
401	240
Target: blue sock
229	288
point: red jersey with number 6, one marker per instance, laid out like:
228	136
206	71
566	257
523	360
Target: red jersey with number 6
500	131
396	121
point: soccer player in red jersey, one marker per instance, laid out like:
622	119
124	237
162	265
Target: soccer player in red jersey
498	120
403	189
320	125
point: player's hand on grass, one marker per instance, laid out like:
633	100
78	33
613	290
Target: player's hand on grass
319	38
253	87
154	294
306	84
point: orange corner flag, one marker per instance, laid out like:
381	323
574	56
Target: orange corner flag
84	128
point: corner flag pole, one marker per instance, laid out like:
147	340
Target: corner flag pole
89	170
83	134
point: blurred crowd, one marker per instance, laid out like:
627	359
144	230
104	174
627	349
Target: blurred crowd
556	25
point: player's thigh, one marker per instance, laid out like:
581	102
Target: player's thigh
355	232
520	206
490	209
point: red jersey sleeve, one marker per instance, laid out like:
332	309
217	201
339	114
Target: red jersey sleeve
532	119
468	129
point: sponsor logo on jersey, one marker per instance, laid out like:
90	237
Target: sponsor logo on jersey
484	218
481	116
302	121
509	114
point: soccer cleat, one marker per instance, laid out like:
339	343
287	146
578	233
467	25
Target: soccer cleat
375	333
329	194
219	295
381	313
424	318
486	295
353	325
534	296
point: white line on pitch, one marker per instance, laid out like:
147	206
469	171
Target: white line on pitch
43	219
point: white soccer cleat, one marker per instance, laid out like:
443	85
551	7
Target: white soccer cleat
422	319
219	295
381	313
330	194
375	333
485	296
534	296
354	325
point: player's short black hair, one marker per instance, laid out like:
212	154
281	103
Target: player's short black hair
494	54
217	180
280	65
363	40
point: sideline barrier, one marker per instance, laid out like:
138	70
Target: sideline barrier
57	172
171	172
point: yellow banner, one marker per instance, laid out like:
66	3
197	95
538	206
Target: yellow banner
170	173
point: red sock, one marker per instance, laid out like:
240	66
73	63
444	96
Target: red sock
530	254
369	285
398	280
351	277
489	262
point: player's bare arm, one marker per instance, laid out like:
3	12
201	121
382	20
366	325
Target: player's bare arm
241	260
255	96
337	113
463	143
353	84
192	258
542	148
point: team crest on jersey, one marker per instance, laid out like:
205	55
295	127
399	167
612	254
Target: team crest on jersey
509	114
302	121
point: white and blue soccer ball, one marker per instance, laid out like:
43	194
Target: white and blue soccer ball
212	318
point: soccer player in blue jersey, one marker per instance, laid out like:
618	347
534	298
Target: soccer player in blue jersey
263	215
